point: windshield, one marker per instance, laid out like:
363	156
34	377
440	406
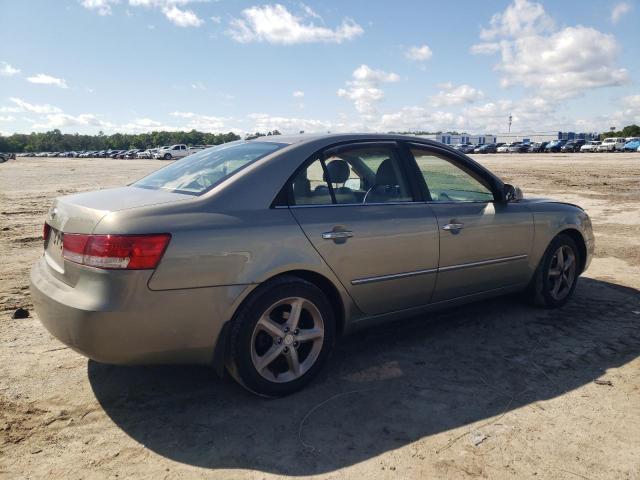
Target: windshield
198	173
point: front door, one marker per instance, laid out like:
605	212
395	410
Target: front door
357	209
484	243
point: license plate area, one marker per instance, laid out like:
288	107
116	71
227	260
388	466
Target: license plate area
53	250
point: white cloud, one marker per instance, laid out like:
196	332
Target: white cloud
419	54
182	18
22	106
7	70
298	94
364	89
413	118
170	8
521	18
263	122
216	19
455	95
628	115
204	123
62	120
275	24
619	11
554	63
7	118
43	79
142	125
529	113
486	48
310	12
103	7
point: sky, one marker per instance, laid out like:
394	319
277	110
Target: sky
134	66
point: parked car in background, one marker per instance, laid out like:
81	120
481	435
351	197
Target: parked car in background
504	148
4	157
555	146
196	148
632	145
518	147
172	152
464	147
590	147
147	153
573	146
537	147
263	287
486	148
611	144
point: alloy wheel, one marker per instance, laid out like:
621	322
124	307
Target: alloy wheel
287	339
562	272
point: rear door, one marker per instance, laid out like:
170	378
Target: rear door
484	243
357	206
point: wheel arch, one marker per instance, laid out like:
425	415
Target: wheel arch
221	350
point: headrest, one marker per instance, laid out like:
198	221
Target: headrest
338	171
386	175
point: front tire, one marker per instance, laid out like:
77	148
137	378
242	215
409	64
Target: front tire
167	156
281	337
556	277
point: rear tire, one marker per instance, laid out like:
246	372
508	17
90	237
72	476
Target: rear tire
556	277
281	337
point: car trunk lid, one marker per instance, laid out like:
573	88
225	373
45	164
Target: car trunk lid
81	213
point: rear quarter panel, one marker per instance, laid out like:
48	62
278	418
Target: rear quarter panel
210	248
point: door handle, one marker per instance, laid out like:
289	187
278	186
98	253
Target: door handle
453	227
337	235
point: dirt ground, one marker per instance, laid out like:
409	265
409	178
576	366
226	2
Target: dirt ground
496	390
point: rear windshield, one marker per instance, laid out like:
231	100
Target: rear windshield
198	173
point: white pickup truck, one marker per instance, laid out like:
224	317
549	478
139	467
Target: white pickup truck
174	151
177	151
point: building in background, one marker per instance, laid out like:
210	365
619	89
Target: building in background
578	136
457	139
530	137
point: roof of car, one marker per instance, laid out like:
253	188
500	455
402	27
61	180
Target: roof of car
309	137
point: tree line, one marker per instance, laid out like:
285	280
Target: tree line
628	131
56	141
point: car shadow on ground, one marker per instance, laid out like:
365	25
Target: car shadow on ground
383	388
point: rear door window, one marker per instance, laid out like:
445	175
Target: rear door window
353	175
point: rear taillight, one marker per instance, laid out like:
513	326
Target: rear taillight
129	252
46	230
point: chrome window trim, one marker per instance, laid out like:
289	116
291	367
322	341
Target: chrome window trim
451	268
349	204
424	202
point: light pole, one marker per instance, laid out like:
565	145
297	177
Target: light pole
510	120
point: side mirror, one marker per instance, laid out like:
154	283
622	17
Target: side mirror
511	194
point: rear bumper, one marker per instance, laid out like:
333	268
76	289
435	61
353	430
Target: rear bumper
113	317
